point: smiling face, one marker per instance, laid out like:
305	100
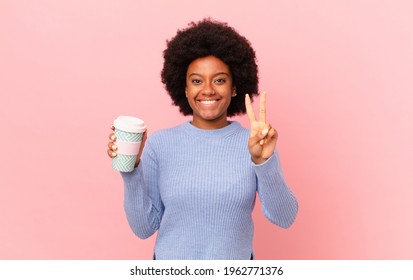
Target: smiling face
209	90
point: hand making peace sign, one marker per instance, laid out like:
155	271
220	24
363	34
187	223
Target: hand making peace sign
263	137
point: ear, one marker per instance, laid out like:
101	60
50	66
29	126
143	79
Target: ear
234	91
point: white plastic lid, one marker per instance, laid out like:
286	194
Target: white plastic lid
129	124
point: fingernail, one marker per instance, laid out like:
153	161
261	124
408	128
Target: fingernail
262	142
114	147
113	137
114	154
264	132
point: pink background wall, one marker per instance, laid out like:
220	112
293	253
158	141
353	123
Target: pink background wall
339	79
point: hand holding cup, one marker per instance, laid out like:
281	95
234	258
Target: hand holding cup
126	143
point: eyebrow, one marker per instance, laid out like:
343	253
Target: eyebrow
216	74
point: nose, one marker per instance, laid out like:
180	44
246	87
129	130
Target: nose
208	89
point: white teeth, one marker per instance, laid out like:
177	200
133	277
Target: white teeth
208	102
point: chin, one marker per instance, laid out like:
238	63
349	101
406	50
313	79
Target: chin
210	117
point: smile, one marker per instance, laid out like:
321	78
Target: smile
207	102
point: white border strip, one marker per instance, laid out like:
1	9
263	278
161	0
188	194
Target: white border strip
165	270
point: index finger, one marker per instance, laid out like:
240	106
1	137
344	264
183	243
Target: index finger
262	106
248	106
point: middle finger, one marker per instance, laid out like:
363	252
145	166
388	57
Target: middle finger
262	106
112	146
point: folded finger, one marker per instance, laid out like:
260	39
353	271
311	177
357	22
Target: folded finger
259	137
272	133
112	146
268	132
111	153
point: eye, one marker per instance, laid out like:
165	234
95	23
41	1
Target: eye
220	81
196	81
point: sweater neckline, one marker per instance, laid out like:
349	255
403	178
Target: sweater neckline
231	128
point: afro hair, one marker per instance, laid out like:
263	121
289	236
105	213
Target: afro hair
205	38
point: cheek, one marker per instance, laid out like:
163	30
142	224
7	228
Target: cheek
190	91
190	100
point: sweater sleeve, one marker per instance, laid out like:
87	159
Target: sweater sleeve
142	202
278	202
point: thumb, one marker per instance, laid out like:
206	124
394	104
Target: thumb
259	136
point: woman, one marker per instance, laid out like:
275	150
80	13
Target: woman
196	183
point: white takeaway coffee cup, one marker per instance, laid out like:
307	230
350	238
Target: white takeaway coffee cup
128	131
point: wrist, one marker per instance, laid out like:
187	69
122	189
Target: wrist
258	160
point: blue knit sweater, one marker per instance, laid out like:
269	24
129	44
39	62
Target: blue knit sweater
197	188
